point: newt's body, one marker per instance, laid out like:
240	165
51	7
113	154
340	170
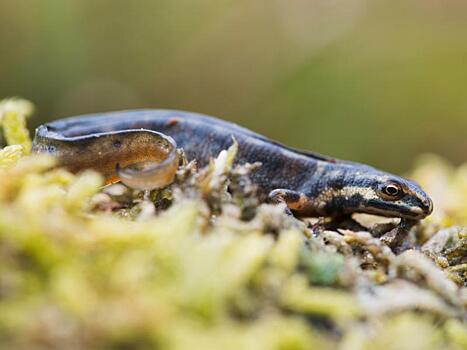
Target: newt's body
308	183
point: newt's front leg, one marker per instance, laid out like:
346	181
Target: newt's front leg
301	205
395	237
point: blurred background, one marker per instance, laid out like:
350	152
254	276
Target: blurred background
376	81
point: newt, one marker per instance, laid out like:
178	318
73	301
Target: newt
139	146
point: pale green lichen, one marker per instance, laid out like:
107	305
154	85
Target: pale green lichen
86	267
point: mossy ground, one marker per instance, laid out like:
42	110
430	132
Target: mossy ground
195	266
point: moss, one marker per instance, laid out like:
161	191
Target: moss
13	114
322	268
10	155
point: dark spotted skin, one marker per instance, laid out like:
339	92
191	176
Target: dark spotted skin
310	184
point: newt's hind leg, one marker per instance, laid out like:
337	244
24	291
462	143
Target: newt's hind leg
295	201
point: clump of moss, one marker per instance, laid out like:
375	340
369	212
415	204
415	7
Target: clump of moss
203	265
13	114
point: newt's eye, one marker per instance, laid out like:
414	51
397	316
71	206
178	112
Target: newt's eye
391	191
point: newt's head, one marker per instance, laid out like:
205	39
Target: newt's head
367	190
398	197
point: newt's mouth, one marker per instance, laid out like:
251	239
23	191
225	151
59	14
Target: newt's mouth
388	209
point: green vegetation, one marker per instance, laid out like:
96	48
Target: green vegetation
195	267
